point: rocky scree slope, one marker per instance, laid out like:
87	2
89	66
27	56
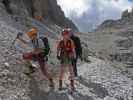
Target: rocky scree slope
98	80
113	41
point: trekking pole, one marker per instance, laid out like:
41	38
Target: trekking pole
18	35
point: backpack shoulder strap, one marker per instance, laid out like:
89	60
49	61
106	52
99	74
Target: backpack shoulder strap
45	42
70	44
61	44
35	43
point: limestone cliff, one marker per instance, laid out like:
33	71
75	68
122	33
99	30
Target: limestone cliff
48	9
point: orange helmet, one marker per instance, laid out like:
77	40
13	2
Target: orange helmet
32	32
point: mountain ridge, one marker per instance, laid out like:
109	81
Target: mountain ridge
48	10
126	19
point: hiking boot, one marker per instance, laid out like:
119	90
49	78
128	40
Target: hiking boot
32	69
51	83
27	73
60	85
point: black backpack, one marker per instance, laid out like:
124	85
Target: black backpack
78	47
46	45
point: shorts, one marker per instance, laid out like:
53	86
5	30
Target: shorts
66	60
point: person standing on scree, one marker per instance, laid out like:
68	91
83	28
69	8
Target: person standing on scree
65	54
78	50
38	53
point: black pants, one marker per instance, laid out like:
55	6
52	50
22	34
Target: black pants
74	64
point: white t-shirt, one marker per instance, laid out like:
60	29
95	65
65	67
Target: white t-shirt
38	43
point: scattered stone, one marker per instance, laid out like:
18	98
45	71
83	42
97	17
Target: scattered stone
6	64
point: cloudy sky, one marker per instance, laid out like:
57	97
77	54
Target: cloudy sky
87	14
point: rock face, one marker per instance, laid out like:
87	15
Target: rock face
126	18
47	9
108	23
126	15
113	40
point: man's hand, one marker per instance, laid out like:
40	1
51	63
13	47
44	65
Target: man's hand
24	44
37	51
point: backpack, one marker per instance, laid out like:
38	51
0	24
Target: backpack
77	43
45	43
47	46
